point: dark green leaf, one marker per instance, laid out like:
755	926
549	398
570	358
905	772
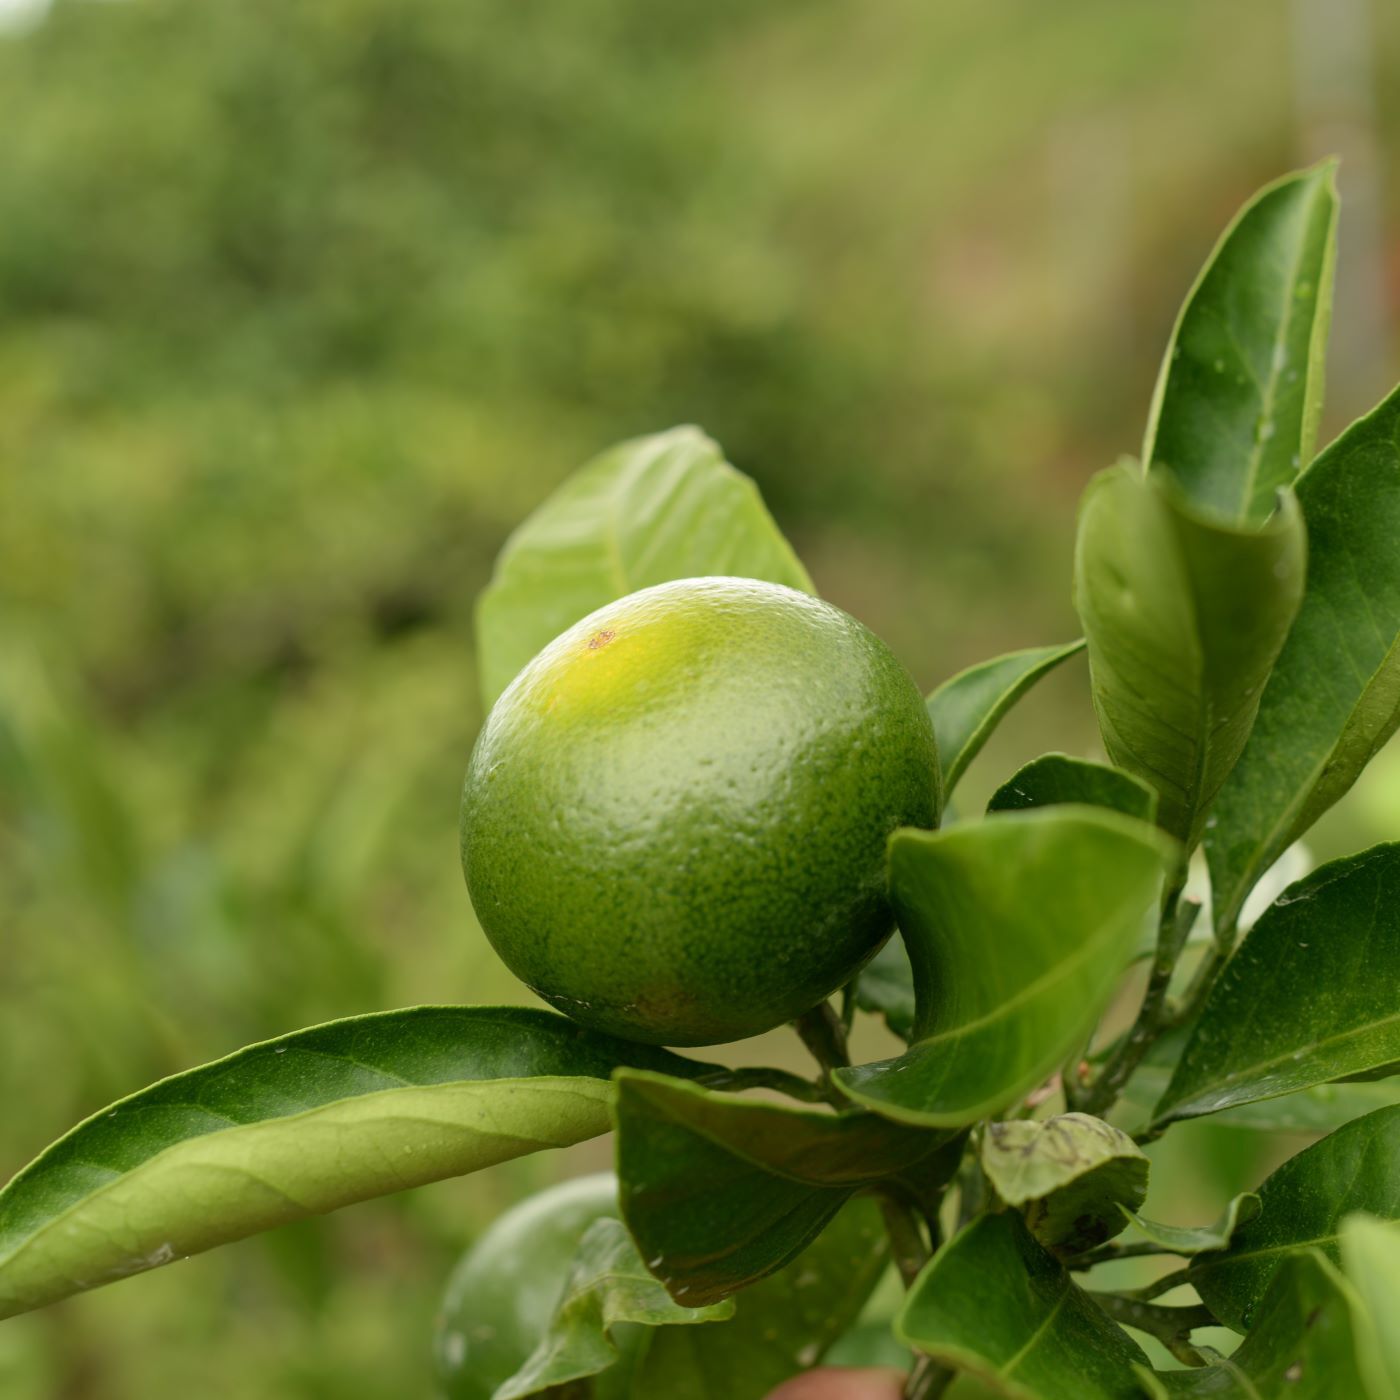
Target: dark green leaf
1187	1239
1304	1344
646	511
997	1304
607	1287
783	1324
1303	1204
1236	408
298	1126
1185	615
886	987
1309	997
1334	697
1010	973
1056	778
968	706
720	1191
1371	1258
1074	1175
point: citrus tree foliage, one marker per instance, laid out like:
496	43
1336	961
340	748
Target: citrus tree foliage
1238	599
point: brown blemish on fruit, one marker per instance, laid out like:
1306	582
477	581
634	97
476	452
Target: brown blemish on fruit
599	640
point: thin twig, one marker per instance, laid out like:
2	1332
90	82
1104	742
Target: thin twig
1157	1287
1171	1326
823	1032
928	1380
824	1036
1153	1017
759	1077
907	1243
1203	979
1110	1253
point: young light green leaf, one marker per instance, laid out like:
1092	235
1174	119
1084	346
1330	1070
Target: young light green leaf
967	707
1237	403
721	1191
783	1324
646	511
1302	1206
885	987
994	1303
1010	974
1187	1240
1074	1175
1334	697
298	1126
1371	1259
1184	615
1056	778
1304	1344
607	1287
1309	997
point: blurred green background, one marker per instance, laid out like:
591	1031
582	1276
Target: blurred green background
304	305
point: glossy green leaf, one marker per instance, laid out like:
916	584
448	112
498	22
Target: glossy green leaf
1074	1176
1320	1109
720	1191
1056	778
1371	1260
1010	973
1303	1203
783	1324
1185	615
885	987
607	1287
1304	1344
995	1303
297	1126
644	512
1334	697
967	707
1187	1240
1310	996
1236	407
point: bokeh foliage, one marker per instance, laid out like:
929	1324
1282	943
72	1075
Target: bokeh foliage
304	306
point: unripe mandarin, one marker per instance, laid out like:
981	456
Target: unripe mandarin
674	820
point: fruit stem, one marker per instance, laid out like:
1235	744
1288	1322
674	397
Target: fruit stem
825	1037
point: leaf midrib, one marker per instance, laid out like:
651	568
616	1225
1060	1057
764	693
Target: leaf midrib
548	1082
1263	1066
1269	389
1090	948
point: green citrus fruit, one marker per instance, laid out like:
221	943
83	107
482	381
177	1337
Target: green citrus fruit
674	820
503	1292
